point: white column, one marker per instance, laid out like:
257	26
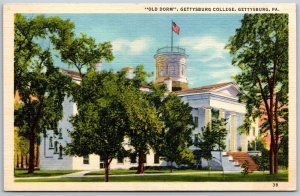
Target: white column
244	138
221	114
232	128
207	116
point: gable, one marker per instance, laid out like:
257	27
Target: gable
230	90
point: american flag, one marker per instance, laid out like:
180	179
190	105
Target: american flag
175	28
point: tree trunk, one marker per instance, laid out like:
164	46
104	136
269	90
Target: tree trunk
17	165
276	136
171	169
22	161
208	161
31	151
141	167
26	161
106	166
271	158
275	168
37	155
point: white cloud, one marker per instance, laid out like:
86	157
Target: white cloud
224	73
133	47
209	47
225	80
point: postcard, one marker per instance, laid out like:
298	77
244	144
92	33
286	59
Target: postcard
149	97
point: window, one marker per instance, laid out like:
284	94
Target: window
120	159
60	151
196	121
101	165
56	147
172	69
132	158
86	159
51	143
156	158
101	162
182	68
60	134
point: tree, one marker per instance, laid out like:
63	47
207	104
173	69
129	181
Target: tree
83	53
101	122
262	160
145	125
42	97
41	86
245	168
21	148
206	142
260	50
28	33
212	136
178	127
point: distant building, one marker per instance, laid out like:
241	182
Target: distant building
170	70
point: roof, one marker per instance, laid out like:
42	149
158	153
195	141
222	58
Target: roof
202	89
71	73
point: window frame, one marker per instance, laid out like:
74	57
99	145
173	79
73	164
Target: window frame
86	160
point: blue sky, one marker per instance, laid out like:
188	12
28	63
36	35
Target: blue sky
136	37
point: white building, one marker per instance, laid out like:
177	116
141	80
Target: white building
170	69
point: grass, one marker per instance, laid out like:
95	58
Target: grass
148	171
236	177
43	173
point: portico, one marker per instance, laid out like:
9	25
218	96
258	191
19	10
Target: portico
221	97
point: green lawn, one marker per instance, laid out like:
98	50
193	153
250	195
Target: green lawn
148	171
237	177
43	173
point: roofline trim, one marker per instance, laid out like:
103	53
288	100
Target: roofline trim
209	92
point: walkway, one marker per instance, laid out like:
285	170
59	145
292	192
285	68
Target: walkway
82	174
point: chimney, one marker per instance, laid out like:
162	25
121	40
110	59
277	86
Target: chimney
98	66
129	72
168	83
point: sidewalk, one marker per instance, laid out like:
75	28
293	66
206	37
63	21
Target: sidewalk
82	174
72	175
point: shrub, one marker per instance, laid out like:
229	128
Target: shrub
245	167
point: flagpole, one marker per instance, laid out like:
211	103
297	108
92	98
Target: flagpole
172	36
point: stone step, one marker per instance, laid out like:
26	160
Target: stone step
240	157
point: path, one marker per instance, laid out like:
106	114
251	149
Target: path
82	174
71	175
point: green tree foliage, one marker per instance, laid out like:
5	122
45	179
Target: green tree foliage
206	142
261	160
260	50
101	123
178	127
42	97
245	168
145	124
83	53
212	136
21	148
41	86
28	33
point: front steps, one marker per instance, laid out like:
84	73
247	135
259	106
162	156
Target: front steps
239	157
231	161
